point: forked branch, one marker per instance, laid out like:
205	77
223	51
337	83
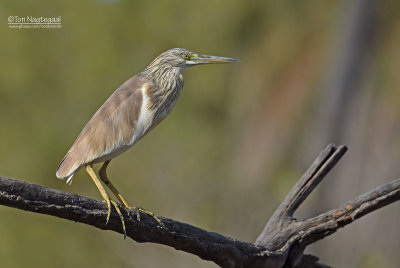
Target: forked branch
281	244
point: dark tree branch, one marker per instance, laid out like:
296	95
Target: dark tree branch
327	223
281	244
283	216
207	245
313	176
290	236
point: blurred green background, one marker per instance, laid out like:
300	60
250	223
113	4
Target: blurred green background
311	72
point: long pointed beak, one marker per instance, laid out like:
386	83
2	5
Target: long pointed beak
206	59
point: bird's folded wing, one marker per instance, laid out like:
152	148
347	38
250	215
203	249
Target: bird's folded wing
110	129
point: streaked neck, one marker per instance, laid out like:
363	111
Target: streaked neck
163	75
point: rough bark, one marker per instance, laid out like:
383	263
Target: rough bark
281	243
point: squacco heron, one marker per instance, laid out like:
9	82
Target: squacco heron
134	109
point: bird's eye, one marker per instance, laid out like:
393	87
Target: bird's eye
186	56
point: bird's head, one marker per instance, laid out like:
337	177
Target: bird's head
182	58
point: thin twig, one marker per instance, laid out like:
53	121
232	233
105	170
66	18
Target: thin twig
327	223
307	183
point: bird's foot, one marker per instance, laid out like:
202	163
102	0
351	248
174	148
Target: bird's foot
137	210
109	202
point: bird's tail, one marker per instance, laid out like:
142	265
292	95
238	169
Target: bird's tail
67	169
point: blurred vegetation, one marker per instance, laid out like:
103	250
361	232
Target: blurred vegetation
234	144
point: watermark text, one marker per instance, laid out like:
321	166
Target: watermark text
32	22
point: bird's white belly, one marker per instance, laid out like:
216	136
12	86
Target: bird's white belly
145	118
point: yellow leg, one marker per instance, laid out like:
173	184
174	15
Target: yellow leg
107	182
105	196
104	178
